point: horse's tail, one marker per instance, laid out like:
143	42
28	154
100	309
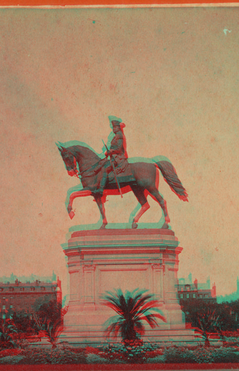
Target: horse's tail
171	177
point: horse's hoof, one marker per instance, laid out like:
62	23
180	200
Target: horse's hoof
165	226
71	214
103	225
167	220
134	225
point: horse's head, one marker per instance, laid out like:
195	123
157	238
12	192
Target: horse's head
69	160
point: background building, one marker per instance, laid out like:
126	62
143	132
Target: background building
188	290
26	296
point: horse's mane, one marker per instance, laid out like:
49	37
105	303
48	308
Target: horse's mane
84	154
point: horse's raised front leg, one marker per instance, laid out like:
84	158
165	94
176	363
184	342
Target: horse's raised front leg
100	202
72	194
139	193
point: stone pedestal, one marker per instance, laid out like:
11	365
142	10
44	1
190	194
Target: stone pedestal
103	260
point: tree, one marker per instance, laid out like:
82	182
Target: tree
132	309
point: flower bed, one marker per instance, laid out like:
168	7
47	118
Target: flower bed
151	353
121	353
201	355
127	352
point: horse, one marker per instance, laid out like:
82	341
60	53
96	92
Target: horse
84	162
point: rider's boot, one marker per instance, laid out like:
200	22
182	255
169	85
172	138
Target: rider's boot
102	184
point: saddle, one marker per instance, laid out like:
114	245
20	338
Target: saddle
123	173
124	176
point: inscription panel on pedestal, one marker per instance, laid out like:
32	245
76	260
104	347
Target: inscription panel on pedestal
125	277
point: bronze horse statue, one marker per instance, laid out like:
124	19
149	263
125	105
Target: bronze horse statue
83	162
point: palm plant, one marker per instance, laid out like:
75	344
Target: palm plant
53	331
204	318
132	309
49	321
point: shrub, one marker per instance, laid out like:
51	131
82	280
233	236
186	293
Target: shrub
60	355
25	326
10	360
95	358
178	355
7	332
204	355
201	355
226	355
158	359
131	351
9	352
49	320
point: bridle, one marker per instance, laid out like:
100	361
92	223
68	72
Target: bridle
72	165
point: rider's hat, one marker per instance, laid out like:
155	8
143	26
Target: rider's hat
115	121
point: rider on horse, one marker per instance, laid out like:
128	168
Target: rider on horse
117	153
138	177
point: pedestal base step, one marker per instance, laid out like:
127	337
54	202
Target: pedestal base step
162	337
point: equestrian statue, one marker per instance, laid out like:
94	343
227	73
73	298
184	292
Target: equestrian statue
115	174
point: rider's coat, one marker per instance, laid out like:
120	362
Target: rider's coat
118	152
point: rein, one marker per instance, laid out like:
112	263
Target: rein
91	169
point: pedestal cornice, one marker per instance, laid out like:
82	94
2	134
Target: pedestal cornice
122	238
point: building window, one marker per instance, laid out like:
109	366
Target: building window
181	296
21	288
11	306
4	316
4	307
194	296
1	289
32	288
42	288
187	296
11	288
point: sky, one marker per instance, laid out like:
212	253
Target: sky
171	74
